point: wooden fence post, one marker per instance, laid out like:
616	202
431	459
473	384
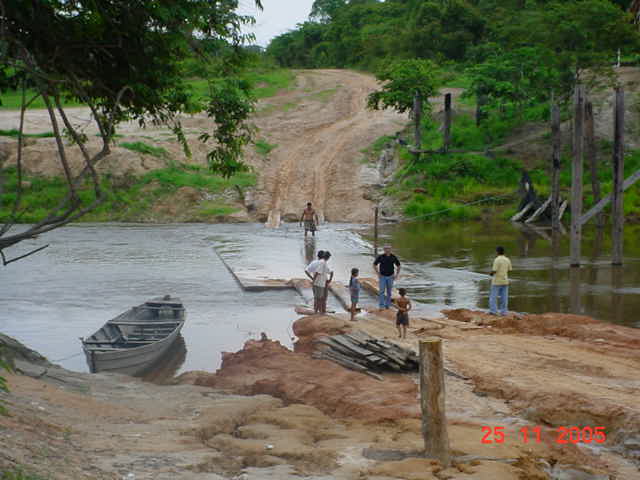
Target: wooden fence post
556	141
618	179
417	116
432	395
592	156
375	232
447	122
480	115
576	182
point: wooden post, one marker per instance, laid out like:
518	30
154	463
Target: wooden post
617	211
432	393
447	122
417	117
556	141
480	103
592	156
575	291
576	182
375	232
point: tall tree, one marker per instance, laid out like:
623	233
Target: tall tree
122	59
402	80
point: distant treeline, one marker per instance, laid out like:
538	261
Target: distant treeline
366	33
514	51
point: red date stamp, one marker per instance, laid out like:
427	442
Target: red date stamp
560	435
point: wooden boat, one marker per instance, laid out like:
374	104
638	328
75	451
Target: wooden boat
135	339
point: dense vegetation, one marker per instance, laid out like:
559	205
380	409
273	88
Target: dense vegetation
369	33
510	56
126	61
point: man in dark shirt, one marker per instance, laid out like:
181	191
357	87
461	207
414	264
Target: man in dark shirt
385	266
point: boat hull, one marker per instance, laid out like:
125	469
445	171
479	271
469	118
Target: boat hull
131	361
134	341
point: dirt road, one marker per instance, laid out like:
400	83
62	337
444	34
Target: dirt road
318	127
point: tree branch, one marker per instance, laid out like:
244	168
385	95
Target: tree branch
6	262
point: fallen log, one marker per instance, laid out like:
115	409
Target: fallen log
518	216
538	213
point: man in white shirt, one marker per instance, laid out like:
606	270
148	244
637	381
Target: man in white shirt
321	280
309	272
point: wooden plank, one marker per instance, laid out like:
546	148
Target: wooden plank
346	343
617	202
602	204
576	181
556	157
432	401
536	215
144	324
342	293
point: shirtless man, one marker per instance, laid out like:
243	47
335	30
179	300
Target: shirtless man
403	304
310	219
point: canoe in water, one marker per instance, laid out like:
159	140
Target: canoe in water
133	341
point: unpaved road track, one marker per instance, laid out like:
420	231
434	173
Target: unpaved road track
320	126
320	129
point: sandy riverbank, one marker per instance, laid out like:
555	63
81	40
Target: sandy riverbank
272	413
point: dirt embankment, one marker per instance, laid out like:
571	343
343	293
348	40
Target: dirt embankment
315	133
272	413
540	370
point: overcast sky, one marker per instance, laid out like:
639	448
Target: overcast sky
278	17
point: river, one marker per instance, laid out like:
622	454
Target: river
91	273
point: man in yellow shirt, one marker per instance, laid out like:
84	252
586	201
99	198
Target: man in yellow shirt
500	283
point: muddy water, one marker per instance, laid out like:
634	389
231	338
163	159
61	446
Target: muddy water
451	260
90	273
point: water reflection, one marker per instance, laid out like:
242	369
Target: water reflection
456	256
309	250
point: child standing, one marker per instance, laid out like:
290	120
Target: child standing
402	318
354	290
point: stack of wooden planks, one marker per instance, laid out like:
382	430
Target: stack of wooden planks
361	352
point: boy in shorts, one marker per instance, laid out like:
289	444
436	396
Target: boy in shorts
354	290
403	304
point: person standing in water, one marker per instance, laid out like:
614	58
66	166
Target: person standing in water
310	272
499	284
385	266
354	291
310	219
321	280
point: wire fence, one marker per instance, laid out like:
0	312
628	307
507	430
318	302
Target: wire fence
440	212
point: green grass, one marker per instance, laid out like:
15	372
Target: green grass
372	152
127	199
425	208
267	83
12	100
324	95
452	79
145	149
15	133
213	209
263	147
19	474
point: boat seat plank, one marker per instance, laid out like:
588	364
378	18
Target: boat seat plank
145	324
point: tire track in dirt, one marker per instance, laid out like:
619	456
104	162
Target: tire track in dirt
320	140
